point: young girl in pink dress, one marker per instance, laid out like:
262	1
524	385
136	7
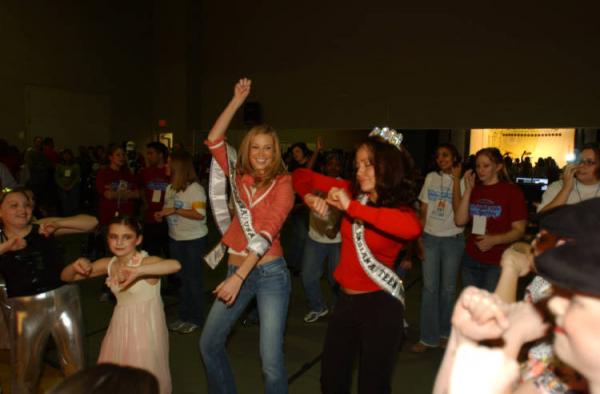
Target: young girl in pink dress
137	335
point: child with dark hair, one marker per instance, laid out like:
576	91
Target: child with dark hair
137	335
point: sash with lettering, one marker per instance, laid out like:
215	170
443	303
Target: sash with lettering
217	192
382	275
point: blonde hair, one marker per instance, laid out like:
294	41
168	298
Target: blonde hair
182	171
495	157
244	166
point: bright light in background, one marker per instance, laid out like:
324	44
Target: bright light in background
570	157
537	143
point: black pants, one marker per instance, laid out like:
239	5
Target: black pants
370	325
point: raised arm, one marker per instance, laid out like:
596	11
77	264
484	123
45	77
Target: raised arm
67	225
562	196
240	93
461	212
456	192
315	155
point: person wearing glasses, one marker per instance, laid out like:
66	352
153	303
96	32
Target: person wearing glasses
579	182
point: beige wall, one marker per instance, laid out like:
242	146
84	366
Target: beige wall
79	48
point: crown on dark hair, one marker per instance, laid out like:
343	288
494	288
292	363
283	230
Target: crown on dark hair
390	136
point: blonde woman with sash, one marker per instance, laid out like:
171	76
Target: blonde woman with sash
262	195
378	221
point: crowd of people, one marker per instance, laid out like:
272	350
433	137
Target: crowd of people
356	211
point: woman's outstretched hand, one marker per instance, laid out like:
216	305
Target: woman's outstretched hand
479	315
316	204
338	198
12	245
242	90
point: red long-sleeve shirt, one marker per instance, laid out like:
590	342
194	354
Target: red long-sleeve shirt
269	208
386	230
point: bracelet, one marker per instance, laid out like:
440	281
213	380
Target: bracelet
239	276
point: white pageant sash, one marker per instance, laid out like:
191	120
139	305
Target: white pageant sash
383	276
217	191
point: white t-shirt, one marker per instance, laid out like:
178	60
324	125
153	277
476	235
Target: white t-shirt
437	194
318	236
579	193
181	228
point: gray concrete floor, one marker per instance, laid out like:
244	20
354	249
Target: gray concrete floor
414	373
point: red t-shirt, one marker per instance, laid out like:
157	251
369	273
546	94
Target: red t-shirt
501	204
154	181
386	230
109	179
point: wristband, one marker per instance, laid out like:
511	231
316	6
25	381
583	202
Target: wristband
239	276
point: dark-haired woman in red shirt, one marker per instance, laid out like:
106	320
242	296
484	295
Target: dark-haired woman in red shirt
378	221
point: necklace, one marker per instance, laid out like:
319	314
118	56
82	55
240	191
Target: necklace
579	194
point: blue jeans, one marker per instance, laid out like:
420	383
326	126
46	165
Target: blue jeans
312	270
440	272
475	273
191	292
270	284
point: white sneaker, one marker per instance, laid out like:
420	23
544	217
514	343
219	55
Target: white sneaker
187	328
313	316
176	325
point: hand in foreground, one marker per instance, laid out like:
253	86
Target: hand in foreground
518	258
479	315
159	215
526	324
485	242
12	245
128	275
569	176
406	264
48	228
316	204
242	90
469	179
338	198
456	171
228	290
82	266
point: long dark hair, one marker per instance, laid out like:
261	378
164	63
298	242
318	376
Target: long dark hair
394	174
130	222
450	148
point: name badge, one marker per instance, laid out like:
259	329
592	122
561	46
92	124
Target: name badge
156	194
479	224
